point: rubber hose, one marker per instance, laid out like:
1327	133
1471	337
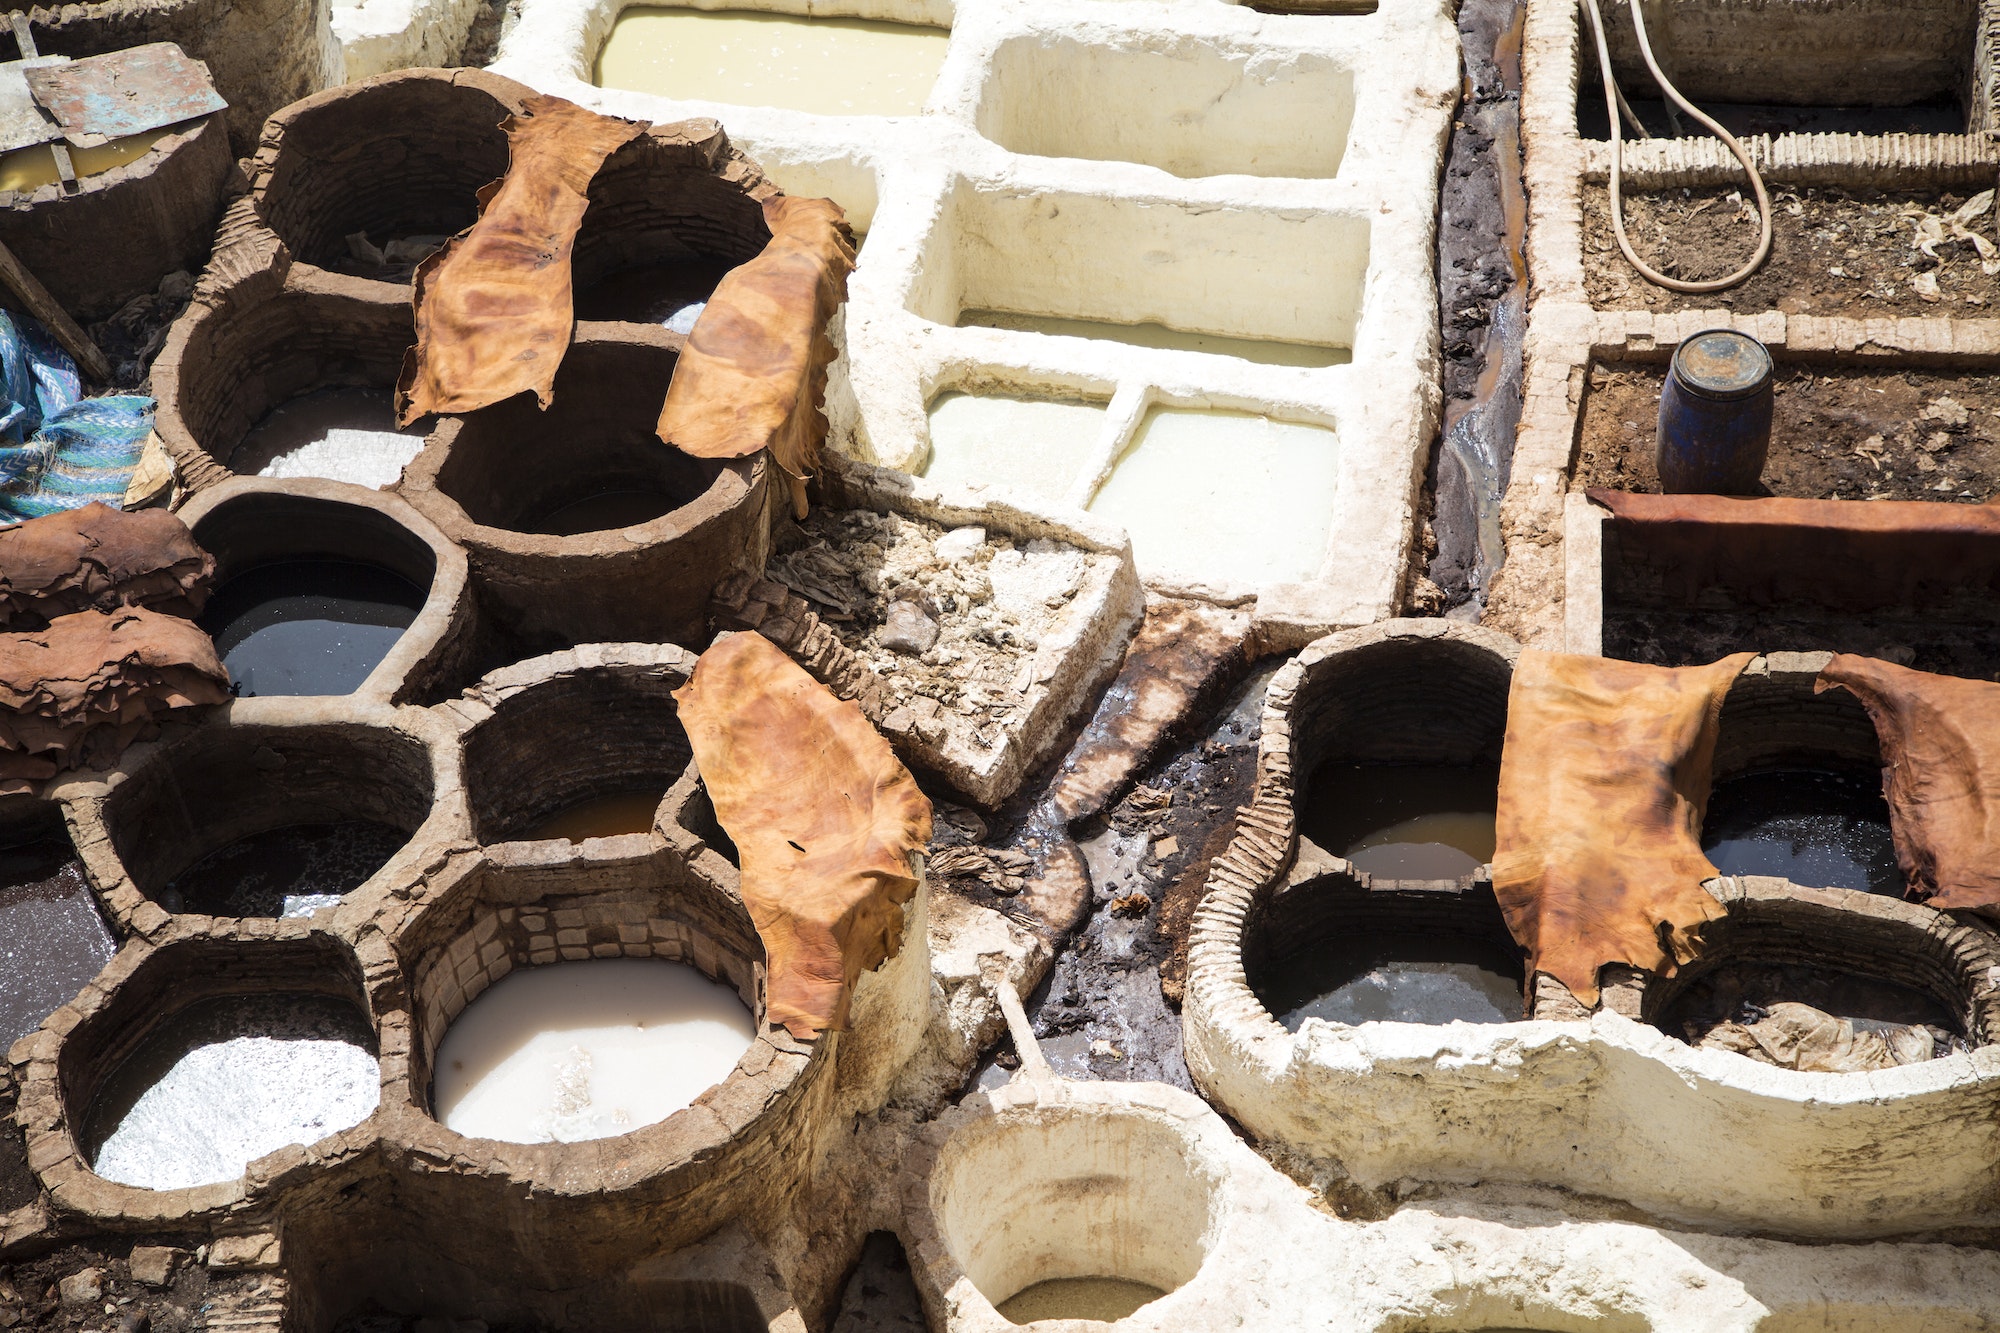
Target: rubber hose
1613	102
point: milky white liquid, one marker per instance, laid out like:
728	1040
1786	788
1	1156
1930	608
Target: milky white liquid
586	1050
1032	444
1224	496
831	66
1264	351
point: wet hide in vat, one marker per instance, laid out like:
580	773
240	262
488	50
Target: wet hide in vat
1832	553
1798	1036
753	375
100	558
1940	738
827	822
494	307
77	693
1602	786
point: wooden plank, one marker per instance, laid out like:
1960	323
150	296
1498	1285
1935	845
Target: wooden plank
29	291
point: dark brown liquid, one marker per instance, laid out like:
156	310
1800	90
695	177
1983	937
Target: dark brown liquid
52	939
1431	978
1404	821
606	512
285	871
599	817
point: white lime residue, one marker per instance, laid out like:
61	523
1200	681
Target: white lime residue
586	1050
222	1105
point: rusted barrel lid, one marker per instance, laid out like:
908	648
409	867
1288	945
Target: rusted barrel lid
1722	364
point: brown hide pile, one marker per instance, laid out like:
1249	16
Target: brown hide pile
827	823
1602	787
495	307
1940	740
1843	554
101	558
77	693
753	375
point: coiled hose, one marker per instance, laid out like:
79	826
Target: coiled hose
1614	105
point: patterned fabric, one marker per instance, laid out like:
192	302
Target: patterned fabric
58	449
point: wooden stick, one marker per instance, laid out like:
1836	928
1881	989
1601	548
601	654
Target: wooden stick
30	292
22	37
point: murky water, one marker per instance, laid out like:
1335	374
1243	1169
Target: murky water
228	1080
292	871
346	434
830	66
1037	445
672	294
605	512
599	817
1105	1298
1404	821
1821	829
52	938
1263	351
309	626
586	1050
32	168
1394	978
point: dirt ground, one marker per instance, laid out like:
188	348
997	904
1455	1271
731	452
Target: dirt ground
1836	434
1833	252
32	1298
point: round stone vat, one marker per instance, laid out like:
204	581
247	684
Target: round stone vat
1885	967
258	382
242	818
1327	946
323	588
577	745
1395	746
1797	783
124	228
670	213
207	1053
583	527
1066	1205
742	1145
393	158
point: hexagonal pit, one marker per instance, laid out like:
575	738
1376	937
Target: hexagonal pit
587	754
587	1007
312	595
1149	274
1072	1212
616	537
393	158
53	939
216	1052
264	821
1193	109
1811	982
1797	784
293	383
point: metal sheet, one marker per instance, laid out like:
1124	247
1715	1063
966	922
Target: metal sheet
23	123
125	92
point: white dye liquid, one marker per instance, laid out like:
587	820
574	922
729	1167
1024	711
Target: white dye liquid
229	1082
1224	496
832	66
586	1050
338	434
1033	444
1264	351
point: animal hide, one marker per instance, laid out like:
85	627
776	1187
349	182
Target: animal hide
102	558
828	824
1603	782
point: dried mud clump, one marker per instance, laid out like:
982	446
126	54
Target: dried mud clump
954	616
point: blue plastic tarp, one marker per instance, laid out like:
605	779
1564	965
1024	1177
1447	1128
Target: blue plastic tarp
58	449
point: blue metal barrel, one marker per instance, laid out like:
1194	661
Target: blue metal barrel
1715	415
